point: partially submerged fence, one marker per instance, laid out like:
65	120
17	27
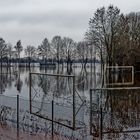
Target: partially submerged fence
115	111
67	108
68	104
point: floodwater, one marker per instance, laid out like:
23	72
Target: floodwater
95	114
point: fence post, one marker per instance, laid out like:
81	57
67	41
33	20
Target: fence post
91	111
101	124
30	84
52	119
101	116
17	115
74	115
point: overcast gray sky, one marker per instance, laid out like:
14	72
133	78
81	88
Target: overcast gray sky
33	20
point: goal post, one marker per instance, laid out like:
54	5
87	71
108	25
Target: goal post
119	75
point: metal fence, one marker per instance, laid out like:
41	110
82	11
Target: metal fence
67	106
31	124
115	111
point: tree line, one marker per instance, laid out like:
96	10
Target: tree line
115	37
59	50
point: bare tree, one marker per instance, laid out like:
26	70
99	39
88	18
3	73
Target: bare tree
3	50
69	47
102	33
102	30
134	36
82	49
18	48
57	46
30	52
44	49
127	40
10	52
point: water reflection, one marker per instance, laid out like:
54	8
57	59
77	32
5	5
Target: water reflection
20	78
61	88
121	109
125	107
120	114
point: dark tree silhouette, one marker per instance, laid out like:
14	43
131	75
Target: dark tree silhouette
44	49
18	48
30	52
102	30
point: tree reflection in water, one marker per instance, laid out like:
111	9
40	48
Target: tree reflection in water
120	114
53	87
6	79
121	109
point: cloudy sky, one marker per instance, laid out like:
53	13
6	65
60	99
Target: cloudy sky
33	20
